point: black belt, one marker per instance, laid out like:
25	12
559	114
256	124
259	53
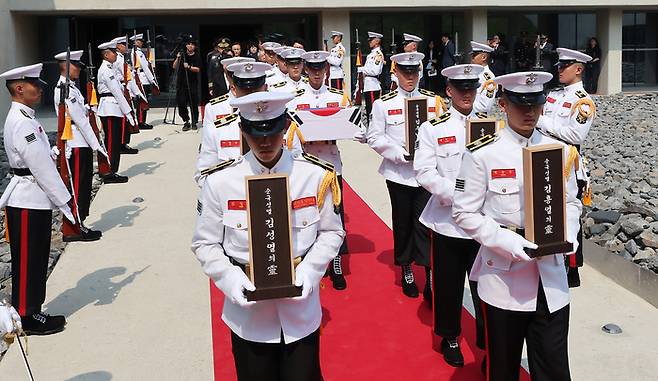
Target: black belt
519	231
103	95
21	171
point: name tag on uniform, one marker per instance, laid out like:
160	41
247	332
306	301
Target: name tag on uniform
229	143
237	204
447	140
304	106
332	104
550	100
397	111
304	202
509	173
431	109
566	104
220	116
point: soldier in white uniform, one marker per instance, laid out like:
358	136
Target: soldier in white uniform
124	67
113	109
220	107
318	95
335	59
276	339
524	299
441	144
409	45
80	149
280	69
568	116
371	70
386	135
33	192
146	77
222	139
294	80
486	94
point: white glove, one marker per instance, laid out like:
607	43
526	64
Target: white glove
69	151
238	283
400	157
9	320
359	69
513	245
102	151
361	136
131	119
303	280
66	211
54	152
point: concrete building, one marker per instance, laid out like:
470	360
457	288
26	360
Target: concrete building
628	32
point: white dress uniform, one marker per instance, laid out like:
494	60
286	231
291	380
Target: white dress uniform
408	38
115	105
486	94
217	108
146	76
335	60
561	117
372	69
386	134
83	134
276	76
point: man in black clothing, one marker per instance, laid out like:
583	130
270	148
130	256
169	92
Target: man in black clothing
497	58
188	65
216	82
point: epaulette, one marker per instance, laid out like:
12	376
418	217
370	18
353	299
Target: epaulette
269	75
218	167
427	92
219	99
25	114
226	120
487	76
388	96
280	84
299	92
305	79
581	94
483	141
335	91
481	115
317	161
440	119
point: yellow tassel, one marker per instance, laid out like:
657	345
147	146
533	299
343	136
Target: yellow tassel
292	131
67	134
489	85
137	63
93	99
438	101
591	111
392	66
346	100
587	196
572	160
6	228
330	180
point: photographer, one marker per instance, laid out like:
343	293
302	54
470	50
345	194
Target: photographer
188	65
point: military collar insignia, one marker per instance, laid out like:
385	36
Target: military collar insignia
25	114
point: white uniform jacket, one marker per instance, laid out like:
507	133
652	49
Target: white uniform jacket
27	146
486	198
217	108
220	142
144	71
441	145
83	134
108	83
561	118
372	69
386	134
335	60
221	232
276	76
485	98
133	89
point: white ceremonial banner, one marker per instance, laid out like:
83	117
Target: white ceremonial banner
332	123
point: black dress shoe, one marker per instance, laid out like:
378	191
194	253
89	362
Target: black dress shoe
336	274
128	150
43	324
409	287
483	367
452	354
115	179
186	126
573	277
145	126
86	235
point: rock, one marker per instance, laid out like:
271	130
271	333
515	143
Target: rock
649	239
633	227
643	254
597	229
5	270
601	216
624	254
614	245
631	247
641	210
622	237
650	263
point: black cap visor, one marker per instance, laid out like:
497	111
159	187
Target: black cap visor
316	65
248	83
294	61
465	84
526	99
36	81
408	68
264	127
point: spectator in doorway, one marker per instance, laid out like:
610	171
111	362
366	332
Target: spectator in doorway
447	58
497	58
236	48
252	51
431	66
298	43
523	53
593	68
188	65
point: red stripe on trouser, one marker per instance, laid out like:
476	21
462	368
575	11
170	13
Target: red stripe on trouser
572	260
22	287
109	139
432	264
123	130
486	338
76	184
141	113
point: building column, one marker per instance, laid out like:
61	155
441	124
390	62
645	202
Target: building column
475	25
339	21
609	28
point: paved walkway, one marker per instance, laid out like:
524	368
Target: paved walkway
138	305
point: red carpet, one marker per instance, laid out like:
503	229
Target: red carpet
370	330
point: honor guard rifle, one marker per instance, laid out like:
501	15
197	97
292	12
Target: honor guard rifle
127	77
327	71
140	103
150	57
394	49
92	100
538	65
358	94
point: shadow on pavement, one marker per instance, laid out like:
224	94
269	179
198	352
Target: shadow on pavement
120	216
146	168
148	144
99	375
96	288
